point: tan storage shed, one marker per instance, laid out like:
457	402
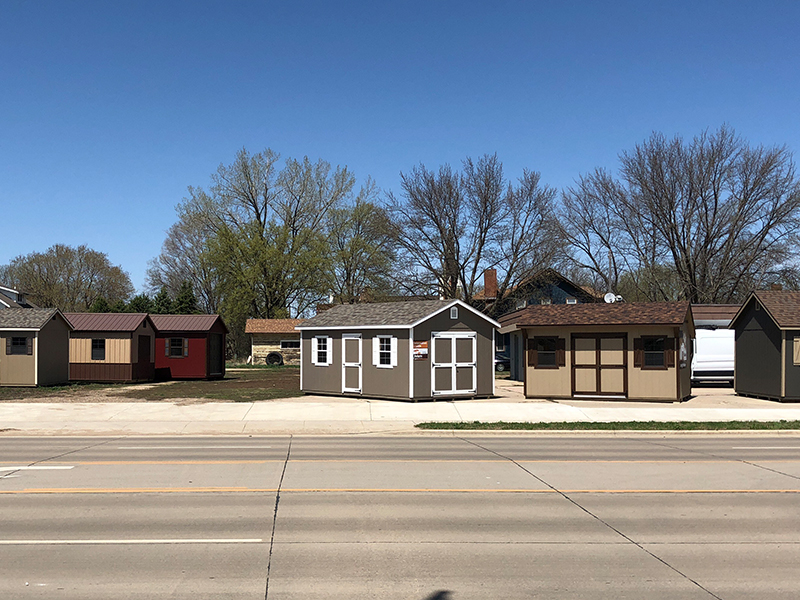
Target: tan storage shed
416	350
34	347
626	351
274	341
115	347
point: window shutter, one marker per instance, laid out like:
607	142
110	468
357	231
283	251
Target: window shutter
561	352
394	351
30	345
638	352
166	347
669	352
186	346
376	351
8	345
329	353
796	352
313	350
533	354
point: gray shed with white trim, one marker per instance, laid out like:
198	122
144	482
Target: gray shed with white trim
415	350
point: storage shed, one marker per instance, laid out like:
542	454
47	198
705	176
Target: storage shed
190	346
767	358
116	347
631	351
35	347
274	341
415	350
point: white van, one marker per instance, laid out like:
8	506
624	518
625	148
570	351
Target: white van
713	355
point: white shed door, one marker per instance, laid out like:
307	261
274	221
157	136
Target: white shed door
454	363
351	363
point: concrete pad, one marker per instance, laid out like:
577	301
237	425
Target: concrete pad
413	411
310	411
164	411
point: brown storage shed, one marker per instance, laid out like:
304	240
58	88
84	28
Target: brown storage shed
115	347
35	347
631	351
274	341
416	350
190	346
767	358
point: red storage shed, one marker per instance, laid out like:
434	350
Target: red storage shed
190	346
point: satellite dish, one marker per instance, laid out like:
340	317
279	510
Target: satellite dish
610	298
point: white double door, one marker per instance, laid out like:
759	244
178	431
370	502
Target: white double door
352	365
454	363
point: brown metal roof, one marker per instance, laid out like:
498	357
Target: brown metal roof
272	325
618	313
185	322
106	321
783	307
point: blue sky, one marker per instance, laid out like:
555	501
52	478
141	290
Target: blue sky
108	111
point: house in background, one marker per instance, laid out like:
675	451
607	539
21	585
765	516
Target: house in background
633	351
115	347
189	346
417	350
34	347
274	341
545	287
11	298
767	333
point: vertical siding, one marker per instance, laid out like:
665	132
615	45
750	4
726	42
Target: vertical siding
757	359
54	352
792	375
118	348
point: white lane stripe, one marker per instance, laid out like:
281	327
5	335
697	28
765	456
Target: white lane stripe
766	447
36	468
167	541
191	447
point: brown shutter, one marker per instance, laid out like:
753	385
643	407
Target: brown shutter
533	355
669	352
561	352
638	352
30	345
8	345
186	346
166	346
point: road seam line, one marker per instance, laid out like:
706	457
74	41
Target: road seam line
275	517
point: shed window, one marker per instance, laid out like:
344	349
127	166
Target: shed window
19	345
654	352
384	351
454	312
177	348
546	352
98	349
321	351
290	344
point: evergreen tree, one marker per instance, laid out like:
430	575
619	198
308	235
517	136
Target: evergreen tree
162	303
140	304
185	302
118	307
100	305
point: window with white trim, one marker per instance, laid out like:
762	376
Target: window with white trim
571	300
454	312
384	351
321	351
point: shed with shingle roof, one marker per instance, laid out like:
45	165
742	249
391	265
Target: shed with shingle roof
35	347
113	347
274	341
767	357
414	350
190	346
636	350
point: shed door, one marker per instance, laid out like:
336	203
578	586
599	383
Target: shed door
215	357
351	363
454	363
600	365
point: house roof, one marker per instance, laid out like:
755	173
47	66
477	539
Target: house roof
185	322
383	314
618	313
544	276
26	318
782	306
106	321
271	325
719	315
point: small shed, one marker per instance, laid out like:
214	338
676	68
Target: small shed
114	347
274	341
627	351
416	350
35	347
767	358
190	346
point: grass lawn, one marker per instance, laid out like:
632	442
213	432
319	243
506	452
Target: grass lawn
249	385
618	426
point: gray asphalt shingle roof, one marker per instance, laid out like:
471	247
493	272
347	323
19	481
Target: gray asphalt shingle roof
25	318
390	314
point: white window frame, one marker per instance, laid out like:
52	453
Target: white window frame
315	351
454	312
376	351
571	300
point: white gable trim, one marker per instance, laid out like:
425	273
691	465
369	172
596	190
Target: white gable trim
464	305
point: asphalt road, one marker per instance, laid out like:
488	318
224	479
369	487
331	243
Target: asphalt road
421	518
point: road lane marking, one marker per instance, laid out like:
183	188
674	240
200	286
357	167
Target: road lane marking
37	468
154	541
192	447
382	490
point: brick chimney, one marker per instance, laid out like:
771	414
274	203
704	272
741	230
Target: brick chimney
490	284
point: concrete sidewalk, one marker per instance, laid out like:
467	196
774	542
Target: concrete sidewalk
320	414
